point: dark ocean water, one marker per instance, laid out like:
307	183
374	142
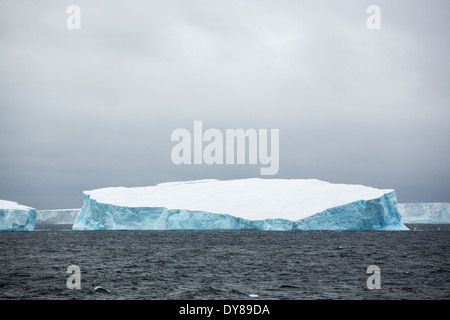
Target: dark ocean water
225	264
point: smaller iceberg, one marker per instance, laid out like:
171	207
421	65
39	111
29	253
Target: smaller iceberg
16	217
425	212
59	216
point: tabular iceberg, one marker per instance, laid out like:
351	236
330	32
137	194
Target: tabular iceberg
16	217
250	204
425	212
58	216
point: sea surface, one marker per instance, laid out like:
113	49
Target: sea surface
225	264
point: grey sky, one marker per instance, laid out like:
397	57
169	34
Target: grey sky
90	108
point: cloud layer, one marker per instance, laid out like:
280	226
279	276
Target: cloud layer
82	109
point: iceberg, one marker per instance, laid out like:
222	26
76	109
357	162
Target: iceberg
58	216
425	212
16	217
244	204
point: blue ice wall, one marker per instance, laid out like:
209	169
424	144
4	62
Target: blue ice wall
17	220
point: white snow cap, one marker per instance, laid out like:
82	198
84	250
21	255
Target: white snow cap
251	199
11	205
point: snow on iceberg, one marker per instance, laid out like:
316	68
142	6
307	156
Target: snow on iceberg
425	212
16	217
58	216
258	204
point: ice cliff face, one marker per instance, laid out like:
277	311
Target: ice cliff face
425	212
15	217
259	204
60	216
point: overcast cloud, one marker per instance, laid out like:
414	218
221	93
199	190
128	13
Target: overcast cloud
90	108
